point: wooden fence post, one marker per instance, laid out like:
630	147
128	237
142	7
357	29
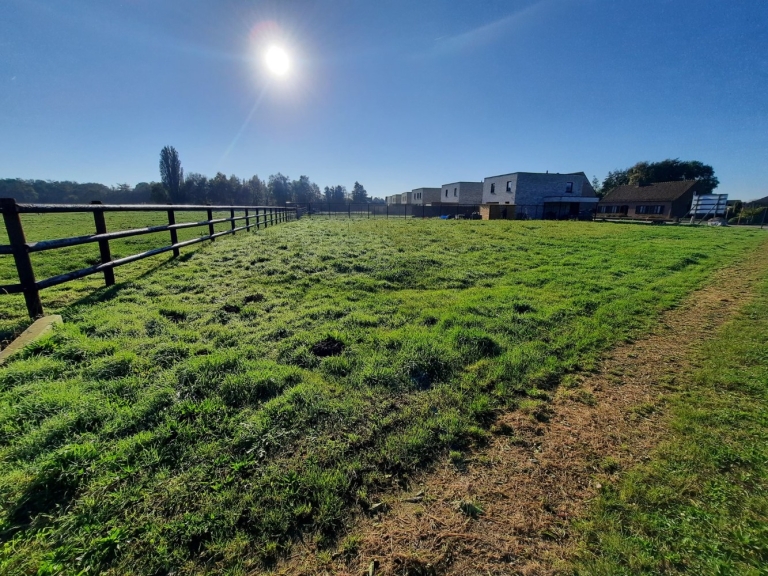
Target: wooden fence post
101	228
247	221
232	222
21	257
258	219
174	236
210	225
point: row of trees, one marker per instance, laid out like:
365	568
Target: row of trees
279	189
177	188
669	170
195	189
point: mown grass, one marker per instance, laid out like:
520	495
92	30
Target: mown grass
209	414
700	506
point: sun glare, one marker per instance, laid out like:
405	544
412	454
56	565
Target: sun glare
277	60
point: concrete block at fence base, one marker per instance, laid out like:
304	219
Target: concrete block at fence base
39	327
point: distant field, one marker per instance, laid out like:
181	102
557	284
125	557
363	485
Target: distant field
209	413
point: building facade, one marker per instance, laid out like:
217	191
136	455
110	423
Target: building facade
657	201
462	193
537	195
425	196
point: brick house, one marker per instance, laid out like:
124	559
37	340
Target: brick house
539	195
462	193
658	201
425	196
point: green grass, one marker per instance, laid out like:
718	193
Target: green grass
13	316
207	415
700	506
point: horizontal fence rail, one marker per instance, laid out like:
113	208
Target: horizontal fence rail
255	217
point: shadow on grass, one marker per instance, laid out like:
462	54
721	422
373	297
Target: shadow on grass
108	293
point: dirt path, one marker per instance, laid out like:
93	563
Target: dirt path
534	477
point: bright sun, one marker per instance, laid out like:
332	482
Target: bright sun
277	60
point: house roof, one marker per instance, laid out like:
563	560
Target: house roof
656	192
759	202
539	174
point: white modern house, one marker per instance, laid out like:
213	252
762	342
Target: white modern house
462	193
394	199
406	198
425	196
537	195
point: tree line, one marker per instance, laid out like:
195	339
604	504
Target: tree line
193	188
668	170
177	188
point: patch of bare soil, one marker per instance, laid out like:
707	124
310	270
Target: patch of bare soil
508	509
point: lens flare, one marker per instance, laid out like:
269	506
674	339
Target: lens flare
277	60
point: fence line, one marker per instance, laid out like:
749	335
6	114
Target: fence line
254	216
438	210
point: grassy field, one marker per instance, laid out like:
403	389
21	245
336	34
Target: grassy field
13	316
700	506
210	413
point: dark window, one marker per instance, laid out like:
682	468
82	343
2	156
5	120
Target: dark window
657	209
509	185
493	188
455	191
446	192
569	187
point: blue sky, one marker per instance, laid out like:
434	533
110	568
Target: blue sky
395	94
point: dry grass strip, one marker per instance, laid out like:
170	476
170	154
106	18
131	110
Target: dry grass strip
508	510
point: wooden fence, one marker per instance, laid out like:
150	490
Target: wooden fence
254	216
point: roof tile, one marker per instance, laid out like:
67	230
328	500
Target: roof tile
656	192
